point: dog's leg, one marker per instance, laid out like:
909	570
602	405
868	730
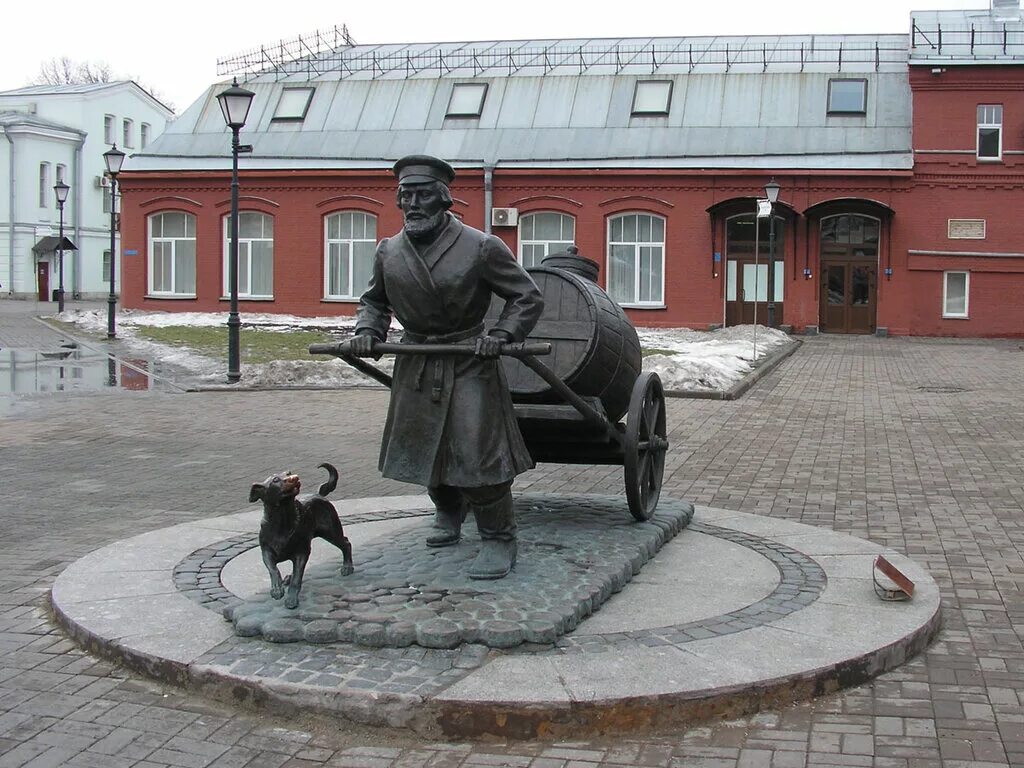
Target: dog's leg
291	600
335	534
337	537
276	585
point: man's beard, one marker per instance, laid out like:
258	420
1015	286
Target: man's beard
421	227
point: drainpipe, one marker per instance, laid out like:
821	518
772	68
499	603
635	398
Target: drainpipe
11	213
76	259
488	195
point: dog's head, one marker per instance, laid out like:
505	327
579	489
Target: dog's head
275	488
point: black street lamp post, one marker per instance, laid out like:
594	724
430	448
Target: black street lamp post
113	157
60	189
771	191
234	104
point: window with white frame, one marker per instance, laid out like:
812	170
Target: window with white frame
255	254
106	267
541	234
44	185
172	254
62	171
955	291
144	135
350	243
990	131
636	259
107	199
108	129
128	134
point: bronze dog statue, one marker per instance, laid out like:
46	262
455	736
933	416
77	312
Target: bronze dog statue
289	525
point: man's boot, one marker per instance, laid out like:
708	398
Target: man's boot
497	526
450	513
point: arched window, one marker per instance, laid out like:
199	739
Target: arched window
636	259
849	235
350	242
255	254
172	254
541	234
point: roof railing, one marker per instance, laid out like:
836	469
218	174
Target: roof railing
971	42
315	57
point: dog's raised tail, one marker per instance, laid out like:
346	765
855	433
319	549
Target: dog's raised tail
332	481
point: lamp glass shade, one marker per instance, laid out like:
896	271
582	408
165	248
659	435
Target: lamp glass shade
234	104
113	157
61	190
771	190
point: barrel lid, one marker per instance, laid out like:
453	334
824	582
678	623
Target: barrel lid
571	260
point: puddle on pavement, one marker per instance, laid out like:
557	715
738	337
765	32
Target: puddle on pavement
75	369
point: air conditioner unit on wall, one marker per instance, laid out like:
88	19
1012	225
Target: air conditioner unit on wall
102	182
504	217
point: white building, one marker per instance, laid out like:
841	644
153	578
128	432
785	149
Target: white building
60	133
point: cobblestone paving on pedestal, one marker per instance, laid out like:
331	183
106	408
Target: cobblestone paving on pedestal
574	553
847	435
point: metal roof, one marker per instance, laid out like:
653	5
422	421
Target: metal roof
736	102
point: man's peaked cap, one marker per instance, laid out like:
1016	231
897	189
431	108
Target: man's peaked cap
422	169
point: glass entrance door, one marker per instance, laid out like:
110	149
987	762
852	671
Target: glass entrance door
746	292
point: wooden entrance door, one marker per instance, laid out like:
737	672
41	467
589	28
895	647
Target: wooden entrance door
848	296
43	280
746	287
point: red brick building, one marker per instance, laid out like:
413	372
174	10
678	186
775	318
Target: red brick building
897	157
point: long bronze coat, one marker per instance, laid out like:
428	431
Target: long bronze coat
450	420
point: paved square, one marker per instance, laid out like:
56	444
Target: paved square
915	444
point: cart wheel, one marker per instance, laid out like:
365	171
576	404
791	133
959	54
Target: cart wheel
645	446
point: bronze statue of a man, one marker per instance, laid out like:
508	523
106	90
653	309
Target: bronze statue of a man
450	423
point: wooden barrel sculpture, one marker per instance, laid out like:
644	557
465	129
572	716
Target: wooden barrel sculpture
595	349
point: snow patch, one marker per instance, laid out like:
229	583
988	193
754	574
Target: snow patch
684	359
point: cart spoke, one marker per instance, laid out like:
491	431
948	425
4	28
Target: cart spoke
651	413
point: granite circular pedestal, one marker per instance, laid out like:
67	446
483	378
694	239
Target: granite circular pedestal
735	613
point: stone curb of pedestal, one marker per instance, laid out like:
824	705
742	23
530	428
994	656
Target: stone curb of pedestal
729	618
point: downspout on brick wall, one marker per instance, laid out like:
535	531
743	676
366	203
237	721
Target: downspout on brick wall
76	259
488	195
10	211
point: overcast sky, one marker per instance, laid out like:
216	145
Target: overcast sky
173	47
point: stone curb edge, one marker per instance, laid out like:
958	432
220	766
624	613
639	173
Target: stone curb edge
538	720
660	712
737	390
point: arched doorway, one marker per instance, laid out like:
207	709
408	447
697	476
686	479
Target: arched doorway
853	239
745	268
848	244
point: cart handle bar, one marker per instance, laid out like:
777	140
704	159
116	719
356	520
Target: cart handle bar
511	349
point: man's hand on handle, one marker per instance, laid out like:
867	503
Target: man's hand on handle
362	345
489	347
